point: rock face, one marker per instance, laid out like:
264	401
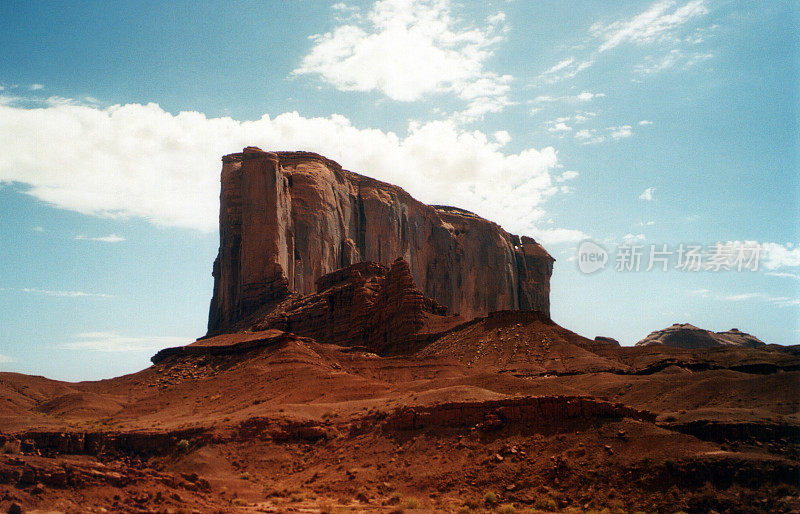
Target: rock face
288	218
364	304
684	335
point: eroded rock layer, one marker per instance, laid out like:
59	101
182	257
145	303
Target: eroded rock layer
364	304
288	218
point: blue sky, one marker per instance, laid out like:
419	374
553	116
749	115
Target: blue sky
625	123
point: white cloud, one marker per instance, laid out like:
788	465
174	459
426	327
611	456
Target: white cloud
700	292
141	161
559	127
645	122
675	58
5	359
593	136
664	22
646	223
783	274
502	137
38	229
566	69
111	238
406	49
647	194
776	255
36	87
584	96
64	294
632	238
567	175
620	132
112	342
780	301
659	23
558	236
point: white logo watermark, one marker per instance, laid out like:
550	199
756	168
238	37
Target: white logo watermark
731	256
591	257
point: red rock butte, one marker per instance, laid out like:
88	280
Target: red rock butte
289	219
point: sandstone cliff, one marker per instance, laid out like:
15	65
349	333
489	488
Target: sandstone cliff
288	218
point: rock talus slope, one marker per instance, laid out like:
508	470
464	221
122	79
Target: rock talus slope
288	218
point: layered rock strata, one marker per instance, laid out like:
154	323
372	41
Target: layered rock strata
288	218
364	304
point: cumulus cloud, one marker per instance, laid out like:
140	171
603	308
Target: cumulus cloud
141	161
111	238
647	194
776	255
645	123
36	87
567	175
113	342
5	359
406	49
657	24
771	256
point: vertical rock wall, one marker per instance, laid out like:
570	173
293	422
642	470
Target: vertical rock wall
288	218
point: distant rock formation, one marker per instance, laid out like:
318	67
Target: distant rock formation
289	218
606	340
684	335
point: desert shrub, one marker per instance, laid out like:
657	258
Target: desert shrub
244	475
183	446
411	503
545	504
507	509
296	497
490	499
472	504
394	499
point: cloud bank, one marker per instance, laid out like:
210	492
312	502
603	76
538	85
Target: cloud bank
140	161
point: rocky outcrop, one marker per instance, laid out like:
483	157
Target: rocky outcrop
288	218
684	335
528	410
606	340
364	304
